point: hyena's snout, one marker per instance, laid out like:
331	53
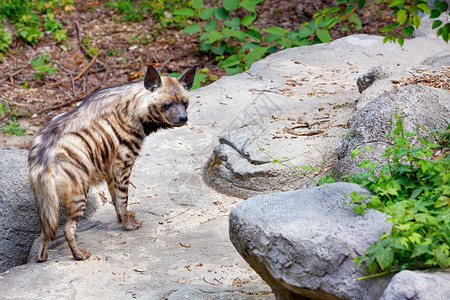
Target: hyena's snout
178	117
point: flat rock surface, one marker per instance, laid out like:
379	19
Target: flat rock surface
183	248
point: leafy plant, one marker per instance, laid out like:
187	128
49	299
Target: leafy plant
136	11
11	127
227	30
413	188
31	17
43	65
5	40
55	27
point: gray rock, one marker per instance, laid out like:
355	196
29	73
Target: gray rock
304	134
366	79
419	285
19	221
299	242
424	108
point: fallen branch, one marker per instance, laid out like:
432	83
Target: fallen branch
84	49
11	76
87	68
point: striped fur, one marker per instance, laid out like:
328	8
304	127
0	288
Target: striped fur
100	140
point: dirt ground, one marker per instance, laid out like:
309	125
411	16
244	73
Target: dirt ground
123	55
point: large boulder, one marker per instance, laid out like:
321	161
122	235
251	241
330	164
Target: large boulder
424	109
301	242
420	285
19	221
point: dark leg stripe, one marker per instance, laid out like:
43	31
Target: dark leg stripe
123	189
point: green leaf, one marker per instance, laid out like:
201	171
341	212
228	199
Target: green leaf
239	35
250	5
214	35
196	4
408	31
184	12
233	23
271	38
254	55
221	13
285	42
421	249
402	16
193	28
361	3
230	5
416	21
435	13
415	238
355	152
250	45
276	30
231	61
400	41
383	254
441	5
199	77
323	35
423	7
207	13
248	19
442	201
305	31
210	25
396	3
219	50
254	35
234	70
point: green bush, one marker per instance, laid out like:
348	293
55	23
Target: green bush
413	189
228	32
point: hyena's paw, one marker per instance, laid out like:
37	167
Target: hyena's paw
130	215
132	223
39	258
82	254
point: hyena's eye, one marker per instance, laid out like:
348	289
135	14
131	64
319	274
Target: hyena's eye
168	104
185	102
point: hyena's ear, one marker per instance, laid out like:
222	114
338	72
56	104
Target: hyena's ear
187	79
152	80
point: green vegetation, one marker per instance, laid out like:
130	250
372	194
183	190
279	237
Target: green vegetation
30	18
227	30
160	10
43	65
413	188
236	42
11	127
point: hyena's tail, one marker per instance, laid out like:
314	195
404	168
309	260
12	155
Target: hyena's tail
47	201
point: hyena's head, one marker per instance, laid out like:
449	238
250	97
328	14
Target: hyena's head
171	96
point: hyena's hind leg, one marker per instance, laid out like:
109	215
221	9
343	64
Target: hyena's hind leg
75	209
42	254
118	188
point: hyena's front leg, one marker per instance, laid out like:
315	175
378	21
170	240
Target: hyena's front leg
75	208
118	188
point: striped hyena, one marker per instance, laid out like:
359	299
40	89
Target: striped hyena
100	140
